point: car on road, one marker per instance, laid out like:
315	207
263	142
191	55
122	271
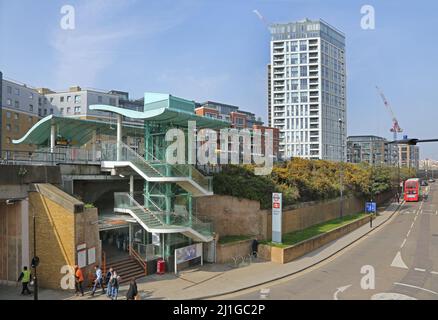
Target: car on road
431	180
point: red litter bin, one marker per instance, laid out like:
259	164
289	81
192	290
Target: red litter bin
161	266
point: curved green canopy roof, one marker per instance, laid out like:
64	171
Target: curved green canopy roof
165	108
79	131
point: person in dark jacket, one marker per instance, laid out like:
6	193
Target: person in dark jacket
132	291
108	277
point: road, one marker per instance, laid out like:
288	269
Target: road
397	261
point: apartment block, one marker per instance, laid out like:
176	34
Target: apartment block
307	89
370	149
19	112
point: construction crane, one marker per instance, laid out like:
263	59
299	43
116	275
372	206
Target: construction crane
395	125
262	19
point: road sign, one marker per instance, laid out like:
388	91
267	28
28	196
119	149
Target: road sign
276	217
370	207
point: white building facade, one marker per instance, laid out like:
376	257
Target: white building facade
308	90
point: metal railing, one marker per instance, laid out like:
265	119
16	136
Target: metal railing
159	167
146	252
138	258
124	200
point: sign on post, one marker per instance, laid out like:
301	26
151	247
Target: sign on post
370	207
277	212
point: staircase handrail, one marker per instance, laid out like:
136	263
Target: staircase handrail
137	257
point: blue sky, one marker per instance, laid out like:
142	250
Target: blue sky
218	50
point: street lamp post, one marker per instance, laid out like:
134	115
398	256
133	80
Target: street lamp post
341	173
34	261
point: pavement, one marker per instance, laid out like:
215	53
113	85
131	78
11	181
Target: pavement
397	262
213	281
220	281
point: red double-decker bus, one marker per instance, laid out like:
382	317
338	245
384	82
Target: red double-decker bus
412	190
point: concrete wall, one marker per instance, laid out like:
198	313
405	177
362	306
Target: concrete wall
10	242
232	216
309	214
87	232
285	255
225	252
19	175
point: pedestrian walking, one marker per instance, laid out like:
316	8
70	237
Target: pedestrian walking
108	277
115	283
98	281
25	279
132	291
79	279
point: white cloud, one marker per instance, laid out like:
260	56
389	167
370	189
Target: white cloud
102	29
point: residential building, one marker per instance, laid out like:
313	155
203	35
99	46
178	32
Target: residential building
368	148
239	119
19	104
409	156
75	103
308	98
269	95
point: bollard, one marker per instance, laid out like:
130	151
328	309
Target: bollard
371	220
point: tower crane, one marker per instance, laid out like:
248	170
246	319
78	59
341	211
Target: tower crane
395	129
262	19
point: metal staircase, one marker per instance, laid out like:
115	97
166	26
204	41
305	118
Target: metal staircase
153	219
186	176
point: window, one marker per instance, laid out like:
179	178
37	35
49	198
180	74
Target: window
294	71
8	140
294	46
9	90
303	71
17	104
61	111
112	101
51	100
68	110
40	112
294	84
31	96
303	84
294	58
17	91
294	97
31	107
99	99
303	99
68	98
9	102
61	99
45	112
303	45
51	110
16	116
8	127
77	110
78	99
303	58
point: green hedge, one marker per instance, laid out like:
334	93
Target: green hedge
302	180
